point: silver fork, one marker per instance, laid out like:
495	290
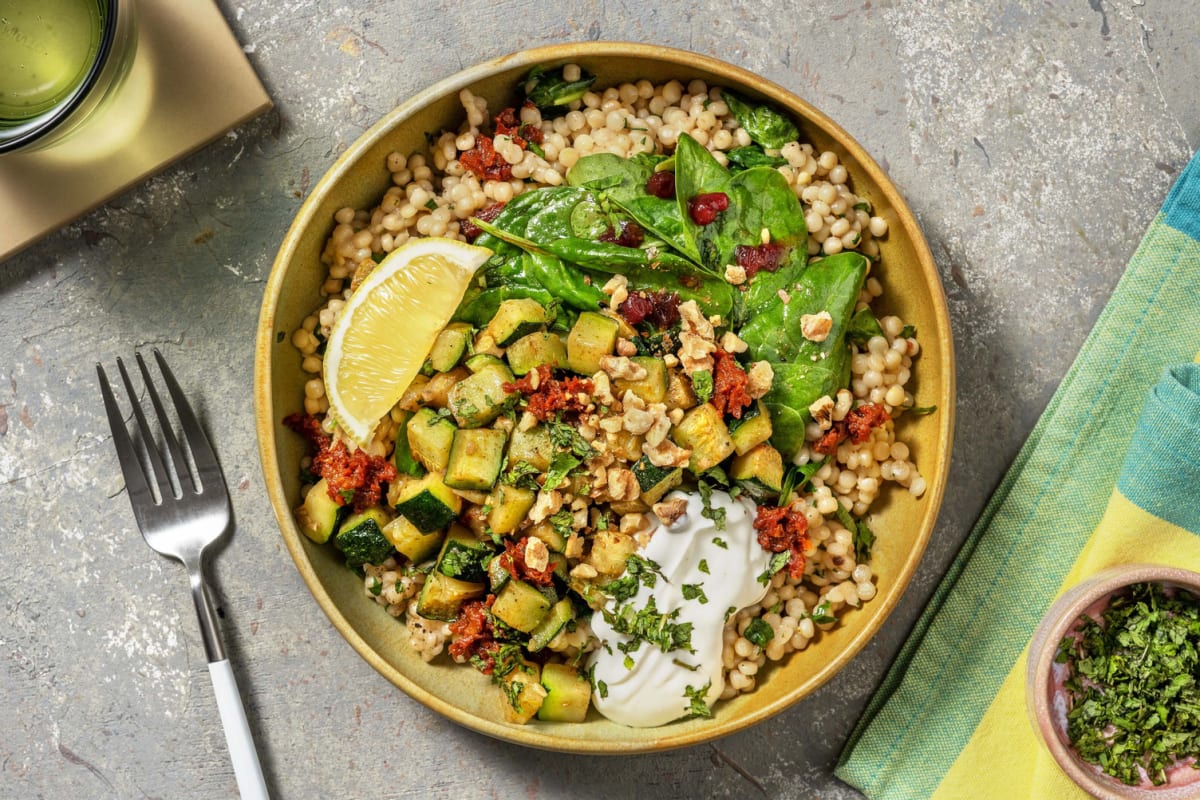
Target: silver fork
181	519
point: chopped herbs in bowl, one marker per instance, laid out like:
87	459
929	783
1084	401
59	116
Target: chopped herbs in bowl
1116	667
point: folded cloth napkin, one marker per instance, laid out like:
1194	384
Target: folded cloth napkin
949	720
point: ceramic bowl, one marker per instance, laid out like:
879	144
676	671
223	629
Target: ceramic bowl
359	178
1040	684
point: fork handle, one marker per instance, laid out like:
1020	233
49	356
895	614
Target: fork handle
246	768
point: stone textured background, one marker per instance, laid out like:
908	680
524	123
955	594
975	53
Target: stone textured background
1033	140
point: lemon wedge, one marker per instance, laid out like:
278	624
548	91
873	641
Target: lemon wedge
386	329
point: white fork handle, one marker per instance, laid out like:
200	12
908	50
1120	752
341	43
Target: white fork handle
246	768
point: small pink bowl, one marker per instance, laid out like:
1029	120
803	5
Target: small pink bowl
1041	691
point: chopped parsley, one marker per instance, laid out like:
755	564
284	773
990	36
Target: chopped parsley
522	474
648	625
822	615
759	632
719	542
560	466
628	662
638	570
717	515
702	385
431	204
465	563
1134	683
908	332
562	521
703	566
567	437
777	562
920	411
536	149
697	707
376	586
602	688
864	537
512	690
694	591
729	612
347	496
796	479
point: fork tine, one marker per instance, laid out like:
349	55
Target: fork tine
173	450
131	465
157	469
208	469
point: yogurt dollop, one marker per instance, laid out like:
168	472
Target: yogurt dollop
658	687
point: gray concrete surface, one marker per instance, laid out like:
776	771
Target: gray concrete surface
1034	141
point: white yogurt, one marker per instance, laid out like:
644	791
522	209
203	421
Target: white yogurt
654	690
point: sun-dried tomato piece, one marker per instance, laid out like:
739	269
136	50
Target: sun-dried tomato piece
759	258
631	235
546	395
513	560
860	421
661	184
856	427
704	208
660	308
484	162
781	529
348	474
487	214
472	634
729	385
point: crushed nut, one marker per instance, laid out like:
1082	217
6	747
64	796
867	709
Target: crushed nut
584	572
822	412
602	389
675	415
626	347
670	360
622	484
547	504
637	421
666	454
622	368
662	423
784	296
694	320
758	379
735	274
816	327
632	523
528	422
669	511
537	555
534	379
574	547
730	343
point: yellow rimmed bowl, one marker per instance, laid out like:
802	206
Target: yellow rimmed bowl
359	178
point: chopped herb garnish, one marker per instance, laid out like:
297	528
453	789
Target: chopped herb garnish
717	515
602	688
522	474
719	542
561	464
376	586
648	625
777	562
729	612
821	615
703	566
694	591
628	662
536	149
908	332
512	690
864	537
637	570
759	632
797	478
920	411
567	437
347	496
1133	686
702	385
431	204
682	665
561	522
697	706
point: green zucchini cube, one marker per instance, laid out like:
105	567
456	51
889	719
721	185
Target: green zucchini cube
516	318
475	458
593	336
428	503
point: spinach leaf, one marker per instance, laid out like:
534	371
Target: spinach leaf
759	198
551	92
765	125
805	370
863	326
623	180
752	155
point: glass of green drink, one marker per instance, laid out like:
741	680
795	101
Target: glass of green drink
59	61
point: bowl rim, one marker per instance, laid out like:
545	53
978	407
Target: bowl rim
1058	620
684	61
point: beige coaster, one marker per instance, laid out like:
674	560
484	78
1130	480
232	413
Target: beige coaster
189	83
